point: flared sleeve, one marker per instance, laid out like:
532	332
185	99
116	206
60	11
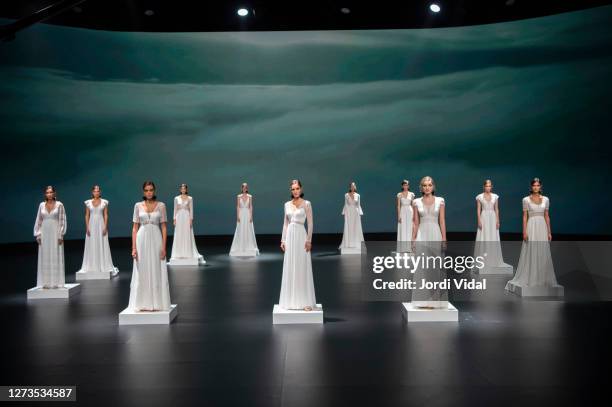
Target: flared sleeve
174	203
63	223
359	204
308	209
38	222
346	202
190	208
285	223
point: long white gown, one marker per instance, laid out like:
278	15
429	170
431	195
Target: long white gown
50	227
404	228
244	243
183	243
149	289
487	238
535	266
353	233
297	285
428	243
97	255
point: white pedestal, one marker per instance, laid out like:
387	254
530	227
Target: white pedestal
185	262
506	269
535	291
247	253
95	275
39	293
350	250
131	317
413	314
284	316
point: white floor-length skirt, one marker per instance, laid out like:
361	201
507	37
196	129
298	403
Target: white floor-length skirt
50	272
183	243
429	243
404	229
488	241
149	288
353	233
97	255
244	243
297	285
535	266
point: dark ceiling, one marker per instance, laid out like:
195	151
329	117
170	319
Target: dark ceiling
269	15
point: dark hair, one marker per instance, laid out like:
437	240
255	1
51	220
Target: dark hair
94	187
351	183
243	184
533	181
406	182
181	186
52	188
146	184
297	181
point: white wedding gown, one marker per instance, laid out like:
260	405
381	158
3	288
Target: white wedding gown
50	227
487	238
535	266
404	228
97	255
244	243
353	233
429	243
183	242
149	289
297	285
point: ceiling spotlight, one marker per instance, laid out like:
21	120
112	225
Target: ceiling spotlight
435	8
243	12
345	10
149	13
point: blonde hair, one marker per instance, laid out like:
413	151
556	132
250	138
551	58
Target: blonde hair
425	179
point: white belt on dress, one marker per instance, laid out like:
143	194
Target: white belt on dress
535	214
149	222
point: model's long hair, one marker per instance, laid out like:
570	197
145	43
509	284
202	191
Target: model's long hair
52	188
146	184
297	181
351	183
242	186
181	186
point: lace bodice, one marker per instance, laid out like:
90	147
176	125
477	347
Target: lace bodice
535	209
405	200
156	217
244	203
354	202
96	210
181	205
487	205
58	213
428	213
300	215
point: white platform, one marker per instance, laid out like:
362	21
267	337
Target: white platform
39	293
95	275
283	316
506	269
130	317
350	250
413	314
247	253
185	262
535	291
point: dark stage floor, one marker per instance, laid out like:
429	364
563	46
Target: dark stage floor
224	351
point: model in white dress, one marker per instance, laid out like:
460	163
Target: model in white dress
244	243
183	243
297	285
352	235
404	217
535	266
97	255
149	289
429	239
488	244
49	230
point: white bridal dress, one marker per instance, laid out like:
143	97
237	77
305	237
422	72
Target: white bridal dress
183	243
297	285
149	289
50	227
429	243
244	243
353	233
487	237
97	255
535	266
404	228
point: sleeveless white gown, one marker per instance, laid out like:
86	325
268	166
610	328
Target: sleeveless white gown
297	285
352	235
244	243
487	238
404	228
50	226
97	255
183	242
